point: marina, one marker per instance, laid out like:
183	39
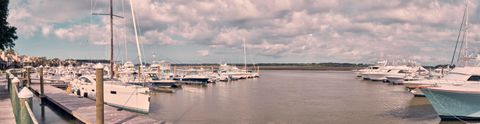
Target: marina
240	101
239	61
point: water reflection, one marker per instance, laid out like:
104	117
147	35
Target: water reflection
48	113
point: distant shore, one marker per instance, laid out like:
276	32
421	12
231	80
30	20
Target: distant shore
313	68
286	66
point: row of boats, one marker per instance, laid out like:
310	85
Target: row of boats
397	72
131	85
453	92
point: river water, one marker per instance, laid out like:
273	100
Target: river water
294	97
287	97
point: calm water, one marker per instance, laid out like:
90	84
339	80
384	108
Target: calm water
294	97
284	97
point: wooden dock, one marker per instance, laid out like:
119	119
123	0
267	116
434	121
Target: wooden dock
6	110
84	109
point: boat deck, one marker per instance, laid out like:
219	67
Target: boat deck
84	109
6	110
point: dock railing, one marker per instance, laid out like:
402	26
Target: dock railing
21	101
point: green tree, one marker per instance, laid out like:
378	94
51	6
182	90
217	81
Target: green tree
7	33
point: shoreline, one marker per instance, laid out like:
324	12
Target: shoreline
309	68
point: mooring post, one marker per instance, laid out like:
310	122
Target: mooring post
174	71
40	74
117	69
159	72
25	95
9	82
14	96
99	93
140	72
29	81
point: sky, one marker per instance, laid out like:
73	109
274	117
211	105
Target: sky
275	31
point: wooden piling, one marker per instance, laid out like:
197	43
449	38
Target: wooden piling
40	73
9	82
25	98
159	72
140	72
29	81
99	93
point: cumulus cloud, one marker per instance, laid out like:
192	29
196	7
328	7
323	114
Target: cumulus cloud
342	30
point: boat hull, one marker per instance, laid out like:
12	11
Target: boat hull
377	77
129	98
395	79
451	104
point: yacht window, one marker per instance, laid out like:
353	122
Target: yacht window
375	67
113	92
474	78
389	70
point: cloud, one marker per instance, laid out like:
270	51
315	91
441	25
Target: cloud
322	30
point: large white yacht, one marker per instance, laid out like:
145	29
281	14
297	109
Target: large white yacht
457	94
377	67
455	76
116	93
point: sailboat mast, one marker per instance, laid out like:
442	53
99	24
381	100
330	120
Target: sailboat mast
244	55
111	39
136	34
466	28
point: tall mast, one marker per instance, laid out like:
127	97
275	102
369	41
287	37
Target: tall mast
111	39
466	28
136	34
244	55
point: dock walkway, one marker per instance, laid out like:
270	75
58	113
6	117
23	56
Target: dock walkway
84	109
6	110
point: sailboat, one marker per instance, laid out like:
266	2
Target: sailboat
117	93
459	99
228	72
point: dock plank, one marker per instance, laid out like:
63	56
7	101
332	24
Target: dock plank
84	108
6	109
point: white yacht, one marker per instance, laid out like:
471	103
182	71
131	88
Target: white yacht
375	68
406	73
457	75
234	73
116	93
457	94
